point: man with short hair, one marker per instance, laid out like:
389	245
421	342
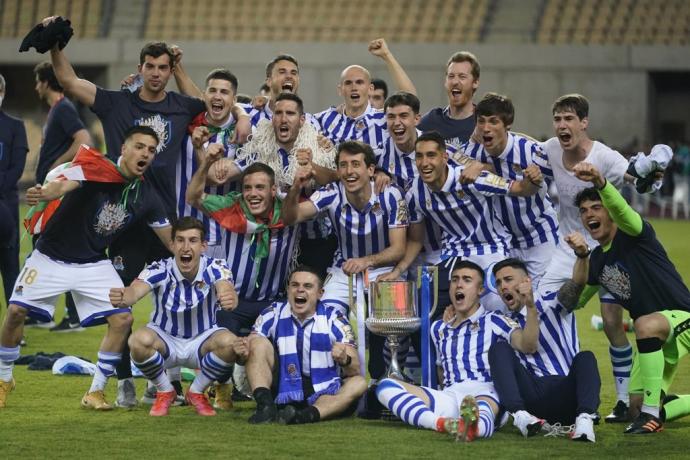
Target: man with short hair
632	265
63	133
13	150
531	222
557	383
186	289
464	213
380	93
318	368
101	200
456	121
468	406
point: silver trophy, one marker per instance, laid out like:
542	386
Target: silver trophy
393	314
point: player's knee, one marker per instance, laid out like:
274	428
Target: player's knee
223	346
16	315
140	340
653	325
260	347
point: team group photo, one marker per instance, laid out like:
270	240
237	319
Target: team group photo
322	228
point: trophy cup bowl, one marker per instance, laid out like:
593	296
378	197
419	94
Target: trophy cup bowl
393	314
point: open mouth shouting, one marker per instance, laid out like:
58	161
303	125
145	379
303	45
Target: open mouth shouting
300	300
288	87
564	137
399	132
456	93
217	108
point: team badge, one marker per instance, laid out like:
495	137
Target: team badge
292	370
460	194
360	125
119	265
511	322
376	209
201	285
19	290
474	326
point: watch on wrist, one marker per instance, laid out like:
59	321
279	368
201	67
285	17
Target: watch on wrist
585	255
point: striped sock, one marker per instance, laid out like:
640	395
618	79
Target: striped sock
621	361
105	368
407	406
8	355
212	368
486	419
153	369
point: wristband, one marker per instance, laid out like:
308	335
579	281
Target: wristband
585	255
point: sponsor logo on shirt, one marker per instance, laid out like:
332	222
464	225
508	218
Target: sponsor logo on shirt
161	126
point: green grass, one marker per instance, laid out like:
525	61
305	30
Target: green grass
43	418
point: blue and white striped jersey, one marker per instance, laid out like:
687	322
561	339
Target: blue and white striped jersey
187	166
558	342
256	115
340	330
532	220
265	279
370	127
462	352
182	308
462	211
361	233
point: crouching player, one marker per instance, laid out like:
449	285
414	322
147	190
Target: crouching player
633	266
182	331
310	342
468	405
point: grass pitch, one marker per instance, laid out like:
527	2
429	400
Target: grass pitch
43	418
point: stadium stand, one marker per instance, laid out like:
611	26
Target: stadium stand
18	16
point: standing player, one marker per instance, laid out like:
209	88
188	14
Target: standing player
187	289
13	149
63	133
468	405
632	265
70	254
561	154
464	212
531	221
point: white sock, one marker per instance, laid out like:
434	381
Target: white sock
621	362
407	406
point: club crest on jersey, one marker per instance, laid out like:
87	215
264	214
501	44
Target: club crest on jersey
119	265
161	126
376	209
460	194
360	125
19	290
110	218
474	326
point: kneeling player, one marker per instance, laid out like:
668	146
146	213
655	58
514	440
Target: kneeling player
183	330
310	341
633	266
468	404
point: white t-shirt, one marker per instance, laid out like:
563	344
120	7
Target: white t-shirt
609	162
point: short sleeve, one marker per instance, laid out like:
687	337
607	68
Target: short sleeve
397	209
541	159
104	102
341	330
218	270
265	324
156	216
502	326
69	119
193	104
414	211
325	197
616	167
592	275
155	274
490	184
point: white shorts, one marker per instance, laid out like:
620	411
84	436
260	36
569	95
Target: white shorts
43	280
336	290
184	352
537	259
560	270
446	402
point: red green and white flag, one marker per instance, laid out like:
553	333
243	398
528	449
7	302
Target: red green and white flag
88	165
232	213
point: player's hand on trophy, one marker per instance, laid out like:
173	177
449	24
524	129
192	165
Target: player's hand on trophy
356	265
577	243
393	275
34	195
117	297
381	181
589	173
339	353
379	48
533	174
200	136
303	156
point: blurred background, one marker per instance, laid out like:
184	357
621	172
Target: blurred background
631	58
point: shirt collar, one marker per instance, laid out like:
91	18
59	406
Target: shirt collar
368	111
509	147
373	198
474	317
199	274
449	185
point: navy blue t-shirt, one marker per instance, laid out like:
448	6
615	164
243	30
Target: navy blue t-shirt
58	134
638	273
455	132
120	110
92	216
13	148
